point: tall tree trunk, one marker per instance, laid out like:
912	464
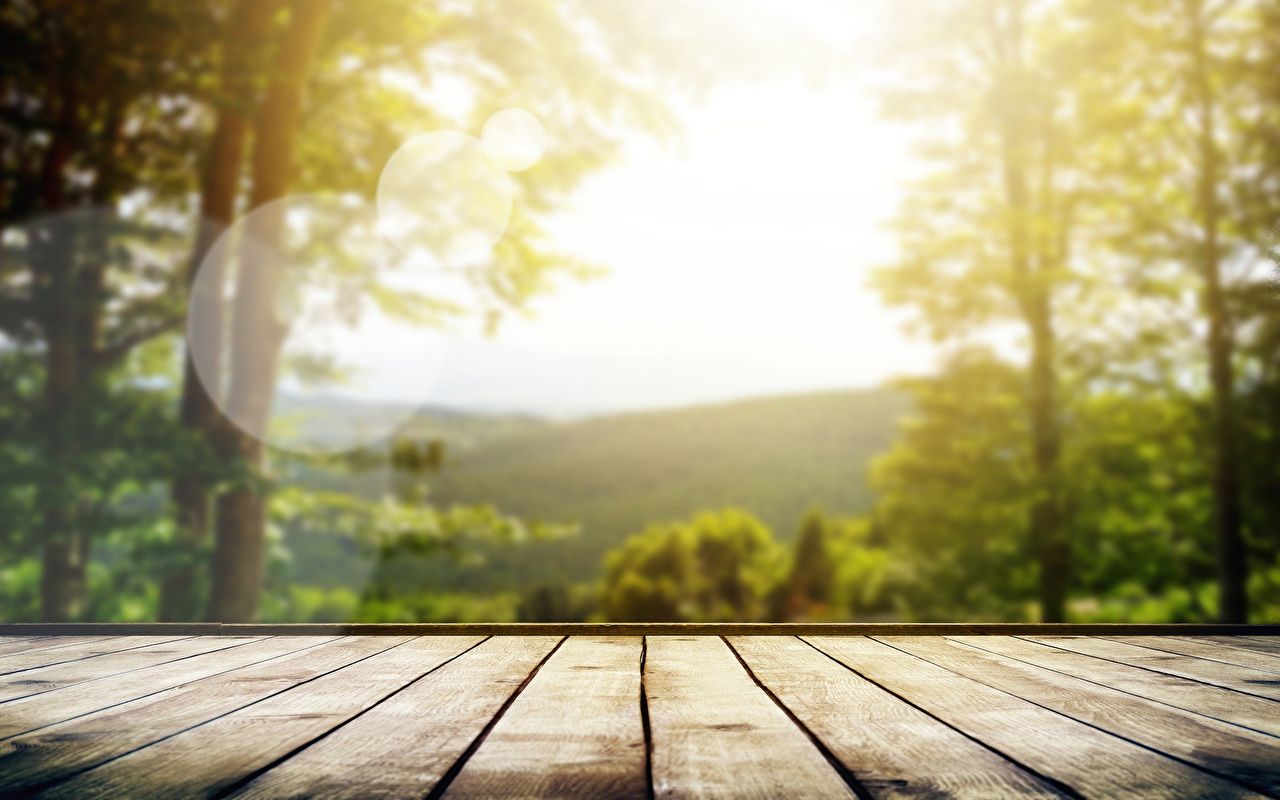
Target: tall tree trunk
63	583
257	334
1232	561
1032	290
1046	520
246	32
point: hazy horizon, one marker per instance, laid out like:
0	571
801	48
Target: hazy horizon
730	271
572	412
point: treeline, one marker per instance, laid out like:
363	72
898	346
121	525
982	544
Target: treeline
1090	247
1093	246
1088	244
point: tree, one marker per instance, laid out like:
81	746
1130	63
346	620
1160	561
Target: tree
953	493
89	99
551	59
1203	77
242	44
257	335
809	588
988	236
719	566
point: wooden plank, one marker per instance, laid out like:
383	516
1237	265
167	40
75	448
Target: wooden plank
639	629
145	651
1090	761
9	639
222	654
87	647
207	760
893	749
1211	651
1258	644
405	745
1211	701
715	733
1246	756
1230	676
39	759
575	731
31	644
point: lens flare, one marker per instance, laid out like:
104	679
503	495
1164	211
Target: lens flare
514	139
305	372
442	202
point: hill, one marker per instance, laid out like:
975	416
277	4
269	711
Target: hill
775	456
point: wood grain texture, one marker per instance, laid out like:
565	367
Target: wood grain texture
1091	762
1213	651
1258	644
715	733
403	746
207	760
62	750
575	730
87	647
515	716
144	651
892	748
1246	756
1230	676
33	644
1212	701
223	655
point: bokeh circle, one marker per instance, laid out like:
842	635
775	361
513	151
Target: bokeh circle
334	298
442	202
514	139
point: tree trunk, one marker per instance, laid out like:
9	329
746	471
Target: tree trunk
1032	289
64	585
63	589
257	334
247	29
1232	561
1046	521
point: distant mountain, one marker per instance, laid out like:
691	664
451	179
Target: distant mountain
613	475
322	419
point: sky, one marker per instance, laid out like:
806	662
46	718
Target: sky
737	261
737	265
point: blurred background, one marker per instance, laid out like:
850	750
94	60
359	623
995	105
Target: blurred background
567	310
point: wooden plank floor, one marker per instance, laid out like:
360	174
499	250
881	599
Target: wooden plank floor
401	716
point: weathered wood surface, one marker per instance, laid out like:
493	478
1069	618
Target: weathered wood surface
1217	673
28	645
1211	701
306	696
405	746
1244	755
575	731
716	734
960	714
891	748
92	694
1088	760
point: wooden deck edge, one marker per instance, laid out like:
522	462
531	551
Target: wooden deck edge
630	629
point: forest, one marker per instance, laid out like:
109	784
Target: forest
1088	242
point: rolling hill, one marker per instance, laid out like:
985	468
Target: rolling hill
613	475
775	456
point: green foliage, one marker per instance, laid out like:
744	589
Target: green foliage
954	490
809	588
774	457
1085	162
718	566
